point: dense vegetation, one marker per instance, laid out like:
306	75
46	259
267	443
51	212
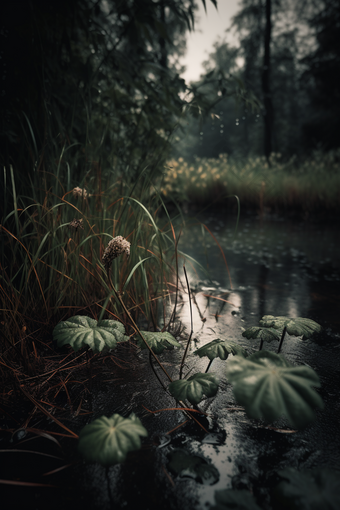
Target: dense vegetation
91	105
310	186
92	99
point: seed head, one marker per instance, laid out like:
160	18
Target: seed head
116	247
76	224
79	192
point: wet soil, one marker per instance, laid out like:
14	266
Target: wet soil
275	268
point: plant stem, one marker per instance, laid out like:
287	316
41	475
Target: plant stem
209	365
137	329
109	487
261	344
154	371
192	327
173	315
150	350
282	338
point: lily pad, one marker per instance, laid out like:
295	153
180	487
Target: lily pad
264	334
220	349
307	490
185	465
158	341
229	499
268	386
108	440
194	388
79	331
295	326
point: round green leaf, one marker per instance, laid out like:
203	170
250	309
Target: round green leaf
158	341
220	349
295	326
108	440
268	386
194	388
79	331
229	499
264	334
307	490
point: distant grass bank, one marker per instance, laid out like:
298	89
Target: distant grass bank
311	186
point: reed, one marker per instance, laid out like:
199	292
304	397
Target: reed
54	236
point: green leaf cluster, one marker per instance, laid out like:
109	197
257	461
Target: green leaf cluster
295	326
268	386
264	334
80	331
158	341
194	388
108	440
219	348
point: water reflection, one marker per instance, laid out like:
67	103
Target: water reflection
276	268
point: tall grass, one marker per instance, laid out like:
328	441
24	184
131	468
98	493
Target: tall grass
51	266
311	185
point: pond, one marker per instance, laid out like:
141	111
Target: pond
276	267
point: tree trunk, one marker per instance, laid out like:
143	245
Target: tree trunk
267	100
163	60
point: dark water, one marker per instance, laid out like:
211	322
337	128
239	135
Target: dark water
277	268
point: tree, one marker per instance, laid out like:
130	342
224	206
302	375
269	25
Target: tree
274	37
320	78
96	78
267	100
249	25
218	130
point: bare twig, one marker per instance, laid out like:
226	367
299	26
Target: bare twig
282	338
137	328
192	326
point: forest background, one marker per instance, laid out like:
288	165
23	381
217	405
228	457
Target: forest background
103	80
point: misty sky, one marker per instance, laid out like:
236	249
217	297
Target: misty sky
207	30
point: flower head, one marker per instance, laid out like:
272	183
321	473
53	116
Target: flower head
77	224
79	192
116	247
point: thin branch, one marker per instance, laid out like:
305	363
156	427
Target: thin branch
282	338
192	326
137	328
154	371
209	365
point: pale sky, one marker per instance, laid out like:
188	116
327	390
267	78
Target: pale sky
207	29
